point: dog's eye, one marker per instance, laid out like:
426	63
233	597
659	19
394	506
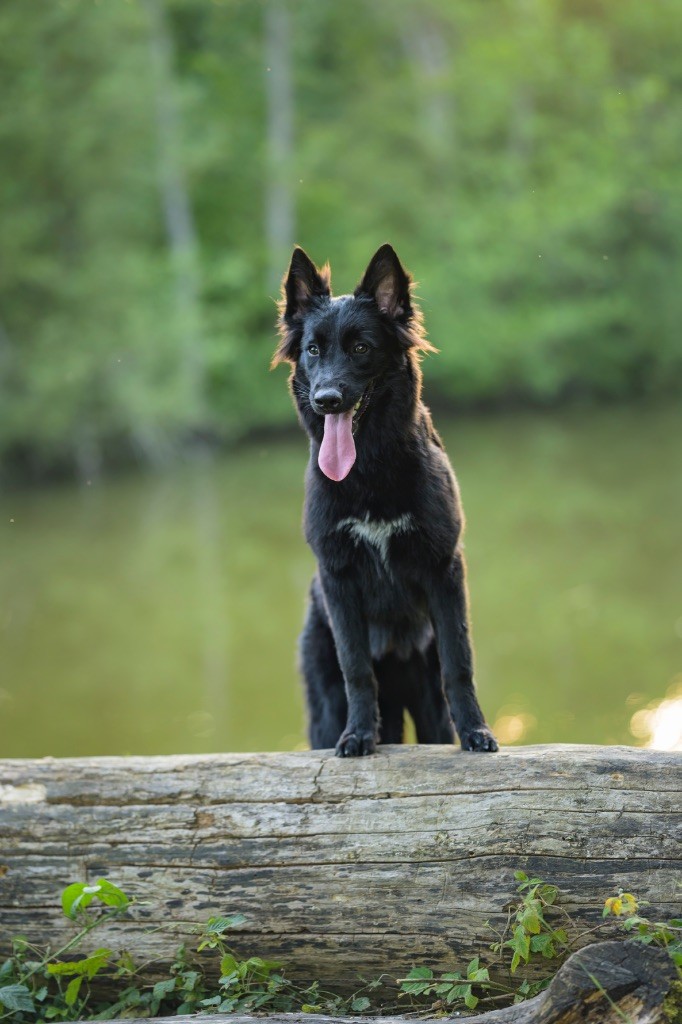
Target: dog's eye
313	350
360	348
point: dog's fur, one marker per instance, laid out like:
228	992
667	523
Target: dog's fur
386	628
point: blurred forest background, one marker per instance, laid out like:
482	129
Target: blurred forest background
159	159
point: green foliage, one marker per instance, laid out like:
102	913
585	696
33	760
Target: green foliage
77	897
531	933
528	937
667	934
38	986
451	988
524	159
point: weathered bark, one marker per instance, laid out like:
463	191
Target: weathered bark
341	867
607	983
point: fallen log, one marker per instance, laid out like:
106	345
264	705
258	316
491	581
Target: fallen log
340	867
606	983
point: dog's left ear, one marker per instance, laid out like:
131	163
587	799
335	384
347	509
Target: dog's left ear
303	285
387	283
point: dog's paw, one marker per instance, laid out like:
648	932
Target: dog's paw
480	738
356	743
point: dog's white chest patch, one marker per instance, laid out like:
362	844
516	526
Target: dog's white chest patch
377	532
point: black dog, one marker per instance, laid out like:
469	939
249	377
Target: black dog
386	628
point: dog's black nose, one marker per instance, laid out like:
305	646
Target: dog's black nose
328	399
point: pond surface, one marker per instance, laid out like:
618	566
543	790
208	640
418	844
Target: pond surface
158	613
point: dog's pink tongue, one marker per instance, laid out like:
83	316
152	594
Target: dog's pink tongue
337	451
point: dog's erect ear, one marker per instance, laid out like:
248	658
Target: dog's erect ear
303	283
387	283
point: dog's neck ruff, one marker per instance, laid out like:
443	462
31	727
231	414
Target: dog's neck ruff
376	533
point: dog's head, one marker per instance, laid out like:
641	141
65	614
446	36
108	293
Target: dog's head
341	347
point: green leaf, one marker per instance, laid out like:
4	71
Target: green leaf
16	997
189	980
520	876
218	925
87	967
543	944
415	988
111	895
72	990
19	944
531	922
359	1005
419	972
228	964
72	897
417	981
261	968
80	895
470	1000
473	966
163	988
520	943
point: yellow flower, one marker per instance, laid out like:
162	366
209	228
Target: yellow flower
614	905
629	903
625	903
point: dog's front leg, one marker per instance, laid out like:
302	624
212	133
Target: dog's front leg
448	603
351	637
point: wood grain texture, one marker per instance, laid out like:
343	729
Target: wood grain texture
340	866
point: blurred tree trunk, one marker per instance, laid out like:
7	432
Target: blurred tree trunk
427	45
177	208
5	349
522	113
279	197
429	40
184	248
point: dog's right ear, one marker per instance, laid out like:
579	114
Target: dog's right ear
302	285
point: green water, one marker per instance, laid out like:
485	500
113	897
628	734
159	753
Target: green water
159	613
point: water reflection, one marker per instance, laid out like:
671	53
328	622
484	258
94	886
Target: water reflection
513	728
159	613
659	724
